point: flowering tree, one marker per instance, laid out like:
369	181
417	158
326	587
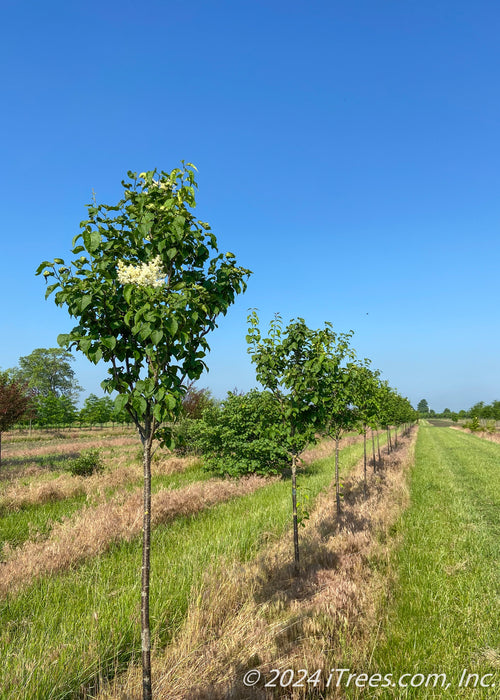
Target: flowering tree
146	286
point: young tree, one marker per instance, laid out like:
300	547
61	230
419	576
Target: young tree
15	400
146	285
339	407
54	410
365	397
291	363
97	410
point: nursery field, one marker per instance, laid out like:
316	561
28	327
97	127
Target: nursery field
405	581
69	582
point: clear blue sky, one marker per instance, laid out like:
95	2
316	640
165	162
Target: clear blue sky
348	154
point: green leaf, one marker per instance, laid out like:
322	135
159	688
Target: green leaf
171	325
95	240
145	331
63	339
50	289
170	402
84	344
158	412
156	336
120	402
109	342
41	266
85	301
127	292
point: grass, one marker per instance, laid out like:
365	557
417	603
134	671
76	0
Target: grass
442	616
36	520
63	632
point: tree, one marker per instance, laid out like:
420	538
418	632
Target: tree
365	397
289	364
146	286
48	371
15	400
423	407
54	410
97	410
195	401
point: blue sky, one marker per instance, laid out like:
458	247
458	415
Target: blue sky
348	154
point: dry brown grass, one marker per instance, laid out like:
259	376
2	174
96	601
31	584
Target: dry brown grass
492	437
40	490
94	529
262	616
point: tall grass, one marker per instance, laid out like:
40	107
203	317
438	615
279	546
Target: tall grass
59	635
32	520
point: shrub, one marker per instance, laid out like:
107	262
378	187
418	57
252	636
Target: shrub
89	462
473	425
242	435
186	436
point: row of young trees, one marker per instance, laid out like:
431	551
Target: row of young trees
146	285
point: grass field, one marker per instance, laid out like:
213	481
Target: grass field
442	615
61	632
397	585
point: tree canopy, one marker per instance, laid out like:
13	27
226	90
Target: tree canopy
48	371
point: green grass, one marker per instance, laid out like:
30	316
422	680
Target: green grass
443	616
63	631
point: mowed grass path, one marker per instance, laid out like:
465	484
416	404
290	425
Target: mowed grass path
59	634
444	616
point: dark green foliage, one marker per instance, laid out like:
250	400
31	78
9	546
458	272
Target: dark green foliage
55	410
97	410
185	436
243	435
89	462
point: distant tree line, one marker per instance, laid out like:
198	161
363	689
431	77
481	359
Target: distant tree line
42	391
480	410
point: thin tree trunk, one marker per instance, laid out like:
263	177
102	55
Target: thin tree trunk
388	440
146	546
379	455
364	458
337	479
295	520
373	452
396	437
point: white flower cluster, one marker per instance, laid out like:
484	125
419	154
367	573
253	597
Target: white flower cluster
162	184
143	275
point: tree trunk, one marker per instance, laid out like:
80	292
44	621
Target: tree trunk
379	455
295	520
337	479
364	458
373	452
396	437
388	440
146	546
